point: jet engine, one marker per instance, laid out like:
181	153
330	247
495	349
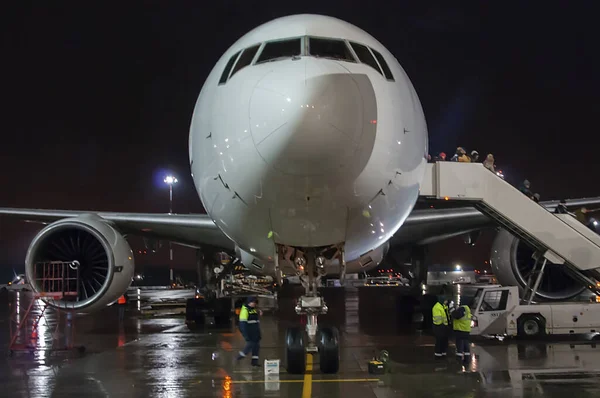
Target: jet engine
97	263
512	262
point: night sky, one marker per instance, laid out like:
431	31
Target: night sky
97	101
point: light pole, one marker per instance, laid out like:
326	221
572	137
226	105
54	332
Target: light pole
170	180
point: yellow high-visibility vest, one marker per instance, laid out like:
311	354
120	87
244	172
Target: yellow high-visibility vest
463	324
439	315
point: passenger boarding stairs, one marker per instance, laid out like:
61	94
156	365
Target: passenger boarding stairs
558	238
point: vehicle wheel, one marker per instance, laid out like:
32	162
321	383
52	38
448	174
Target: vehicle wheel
191	325
190	309
294	350
193	313
329	350
531	326
222	311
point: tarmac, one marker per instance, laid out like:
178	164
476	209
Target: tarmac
159	357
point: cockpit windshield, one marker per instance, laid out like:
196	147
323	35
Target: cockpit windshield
280	49
329	48
306	46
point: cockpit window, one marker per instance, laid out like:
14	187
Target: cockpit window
245	59
365	56
228	67
386	69
281	49
329	48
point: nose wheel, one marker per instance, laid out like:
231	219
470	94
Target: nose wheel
328	349
324	340
295	350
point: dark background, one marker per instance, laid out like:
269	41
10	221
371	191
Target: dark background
97	100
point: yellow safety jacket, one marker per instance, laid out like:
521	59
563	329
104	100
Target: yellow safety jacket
249	323
447	311
439	314
463	324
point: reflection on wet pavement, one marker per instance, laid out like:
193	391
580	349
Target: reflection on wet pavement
160	357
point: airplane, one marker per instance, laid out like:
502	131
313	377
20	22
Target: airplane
308	146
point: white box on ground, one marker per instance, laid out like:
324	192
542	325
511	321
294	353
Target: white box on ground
271	367
272	382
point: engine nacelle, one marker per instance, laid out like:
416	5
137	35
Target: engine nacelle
512	262
102	255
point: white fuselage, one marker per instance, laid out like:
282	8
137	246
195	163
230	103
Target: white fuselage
308	151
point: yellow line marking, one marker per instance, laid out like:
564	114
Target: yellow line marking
307	387
254	371
345	380
303	381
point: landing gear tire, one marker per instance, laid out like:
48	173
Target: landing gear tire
295	344
329	350
531	326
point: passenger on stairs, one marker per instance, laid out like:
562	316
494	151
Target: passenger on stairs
488	163
536	197
583	216
562	208
464	158
525	188
460	156
474	156
440	158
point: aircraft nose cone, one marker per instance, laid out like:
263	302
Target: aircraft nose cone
310	117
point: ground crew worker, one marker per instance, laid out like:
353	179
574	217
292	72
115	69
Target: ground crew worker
250	329
461	324
440	327
122	302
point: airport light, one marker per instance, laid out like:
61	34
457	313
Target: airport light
458	267
170	180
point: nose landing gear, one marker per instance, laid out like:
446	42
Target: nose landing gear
313	339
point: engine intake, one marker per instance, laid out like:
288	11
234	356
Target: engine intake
512	262
101	262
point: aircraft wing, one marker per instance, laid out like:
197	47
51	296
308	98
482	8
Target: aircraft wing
191	230
423	226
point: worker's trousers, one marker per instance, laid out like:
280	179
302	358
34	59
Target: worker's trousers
441	340
463	349
251	346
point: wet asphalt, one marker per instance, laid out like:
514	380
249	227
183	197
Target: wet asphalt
145	356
